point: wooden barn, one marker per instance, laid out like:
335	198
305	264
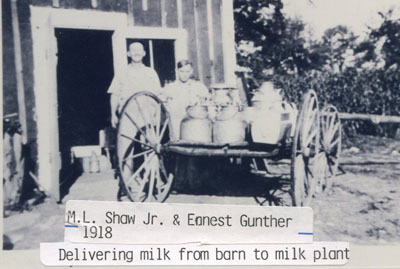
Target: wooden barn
59	57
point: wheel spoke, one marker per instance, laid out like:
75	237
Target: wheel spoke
137	155
148	122
136	140
164	128
162	168
158	120
311	136
151	185
130	167
137	127
142	166
333	144
334	128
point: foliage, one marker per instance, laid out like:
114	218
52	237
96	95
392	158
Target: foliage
273	47
368	92
384	42
339	42
275	44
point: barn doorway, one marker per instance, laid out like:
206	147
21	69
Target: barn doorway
84	73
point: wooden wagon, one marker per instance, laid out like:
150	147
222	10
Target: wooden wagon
144	147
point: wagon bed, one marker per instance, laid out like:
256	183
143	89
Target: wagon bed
144	149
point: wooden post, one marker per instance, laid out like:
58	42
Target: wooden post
163	14
18	71
210	29
131	19
196	31
374	118
179	8
228	37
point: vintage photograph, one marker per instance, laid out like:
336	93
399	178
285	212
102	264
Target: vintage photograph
236	102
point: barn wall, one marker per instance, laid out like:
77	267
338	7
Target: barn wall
217	34
171	13
10	104
208	66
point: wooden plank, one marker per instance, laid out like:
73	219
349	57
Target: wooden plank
210	29
18	70
374	118
218	41
213	145
86	4
179	11
228	37
147	16
163	14
131	17
202	37
223	152
10	103
114	5
171	10
189	24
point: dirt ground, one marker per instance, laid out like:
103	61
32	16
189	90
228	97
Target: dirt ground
362	206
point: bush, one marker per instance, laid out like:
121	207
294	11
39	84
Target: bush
352	91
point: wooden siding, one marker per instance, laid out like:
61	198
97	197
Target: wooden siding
27	71
188	23
112	5
218	63
208	59
172	13
10	104
202	37
149	17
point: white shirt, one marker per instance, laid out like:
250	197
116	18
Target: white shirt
179	96
184	94
132	80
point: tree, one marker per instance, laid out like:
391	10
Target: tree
267	42
337	46
382	47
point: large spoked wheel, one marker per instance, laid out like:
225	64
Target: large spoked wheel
331	144
304	149
143	128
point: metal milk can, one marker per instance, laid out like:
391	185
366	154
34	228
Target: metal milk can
221	94
196	126
229	126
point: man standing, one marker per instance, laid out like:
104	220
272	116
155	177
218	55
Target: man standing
135	78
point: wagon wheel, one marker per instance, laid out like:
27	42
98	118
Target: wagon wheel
304	149
331	143
143	128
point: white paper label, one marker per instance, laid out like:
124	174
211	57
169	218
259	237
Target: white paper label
146	223
318	253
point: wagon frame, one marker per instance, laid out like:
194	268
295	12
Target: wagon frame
143	149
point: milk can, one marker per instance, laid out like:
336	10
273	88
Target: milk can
221	94
272	125
229	126
196	126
